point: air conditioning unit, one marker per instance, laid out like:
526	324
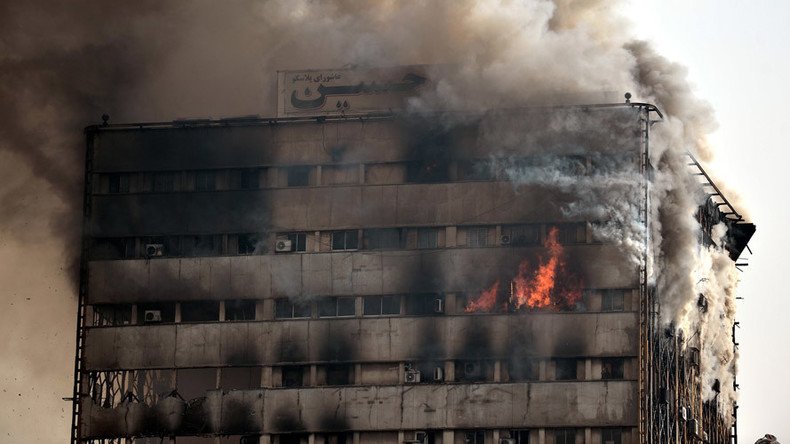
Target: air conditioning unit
152	316
438	305
419	438
472	369
684	414
154	250
505	239
412	376
283	245
507	441
694	356
438	374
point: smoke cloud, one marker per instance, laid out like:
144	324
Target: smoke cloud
64	64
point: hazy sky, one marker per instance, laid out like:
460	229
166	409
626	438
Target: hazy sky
737	56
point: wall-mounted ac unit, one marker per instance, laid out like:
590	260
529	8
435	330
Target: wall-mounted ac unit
152	316
283	245
438	374
684	414
154	250
472	369
411	376
505	239
418	438
438	305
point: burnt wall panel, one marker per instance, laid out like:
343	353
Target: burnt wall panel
389	339
340	273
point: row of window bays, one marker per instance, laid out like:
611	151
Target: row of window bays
421	304
567	435
433	170
110	388
401	238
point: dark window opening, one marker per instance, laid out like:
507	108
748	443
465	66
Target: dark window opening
294	375
334	307
119	183
573	233
565	369
345	240
113	248
156	312
338	438
285	309
382	305
520	235
202	245
477	237
383	239
428	171
427	238
112	314
524	369
518	436
430	372
612	368
240	310
293	438
423	304
194	383
338	374
565	436
475	170
474	371
612	300
299	176
199	311
611	436
474	437
164	182
247	243
240	378
205	181
250	179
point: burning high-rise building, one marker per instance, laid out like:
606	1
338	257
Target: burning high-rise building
348	273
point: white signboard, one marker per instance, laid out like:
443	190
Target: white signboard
347	91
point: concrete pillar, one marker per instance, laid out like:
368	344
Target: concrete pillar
449	371
178	312
134	314
267	439
318	182
357	374
587	435
497	378
356	438
311	438
588	369
359	306
542	370
267	376
451	236
361	181
222	311
448	436
496	432
542	436
313	375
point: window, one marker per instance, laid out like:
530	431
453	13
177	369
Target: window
475	170
565	436
474	437
338	438
285	309
574	233
565	369
298	241
293	375
247	243
340	174
199	311
345	240
205	181
193	383
249	179
339	374
119	183
202	245
611	436
382	305
521	235
113	248
612	300
240	310
423	304
156	312
334	307
427	238
524	369
240	378
519	436
477	236
382	239
612	368
163	182
112	314
298	176
428	171
474	371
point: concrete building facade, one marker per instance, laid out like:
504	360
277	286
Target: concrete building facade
314	280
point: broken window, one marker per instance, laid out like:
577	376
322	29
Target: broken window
201	245
424	304
285	309
477	236
474	437
428	171
611	436
294	438
240	310
240	378
294	375
427	238
339	374
572	233
382	305
612	300
205	180
119	183
152	313
298	176
199	311
612	368
383	239
345	240
336	306
518	436
565	369
247	243
565	436
113	248
520	235
193	383
524	369
338	438
111	315
475	170
108	389
474	371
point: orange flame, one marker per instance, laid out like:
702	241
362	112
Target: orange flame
537	289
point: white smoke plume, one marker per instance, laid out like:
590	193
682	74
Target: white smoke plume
64	64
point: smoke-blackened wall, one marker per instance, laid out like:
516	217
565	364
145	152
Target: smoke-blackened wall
64	64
